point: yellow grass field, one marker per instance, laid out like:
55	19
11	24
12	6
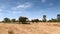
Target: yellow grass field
36	28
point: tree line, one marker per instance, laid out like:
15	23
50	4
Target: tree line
25	20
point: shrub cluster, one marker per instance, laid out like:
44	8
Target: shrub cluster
25	20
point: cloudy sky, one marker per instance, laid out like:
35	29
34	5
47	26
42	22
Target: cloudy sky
29	8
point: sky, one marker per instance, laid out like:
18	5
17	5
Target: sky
32	9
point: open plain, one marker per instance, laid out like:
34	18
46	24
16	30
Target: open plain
35	28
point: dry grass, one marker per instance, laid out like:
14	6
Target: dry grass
36	28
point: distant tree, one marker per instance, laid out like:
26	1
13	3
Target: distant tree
23	20
35	20
13	20
44	18
17	20
58	17
6	20
52	20
32	21
40	20
49	20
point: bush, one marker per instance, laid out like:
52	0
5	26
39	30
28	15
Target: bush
23	20
10	32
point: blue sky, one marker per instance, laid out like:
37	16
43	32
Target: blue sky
29	8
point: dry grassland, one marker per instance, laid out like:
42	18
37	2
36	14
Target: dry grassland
36	28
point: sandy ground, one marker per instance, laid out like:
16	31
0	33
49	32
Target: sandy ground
36	28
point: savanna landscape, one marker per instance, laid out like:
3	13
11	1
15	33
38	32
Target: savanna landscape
25	26
29	16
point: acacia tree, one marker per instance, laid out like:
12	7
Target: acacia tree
13	20
52	20
58	17
23	20
44	18
35	20
6	20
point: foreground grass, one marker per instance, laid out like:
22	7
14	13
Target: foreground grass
33	28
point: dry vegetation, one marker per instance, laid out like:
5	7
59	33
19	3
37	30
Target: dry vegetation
36	28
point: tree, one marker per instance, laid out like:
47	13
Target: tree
13	20
32	21
35	20
6	20
44	18
23	20
58	17
52	20
49	20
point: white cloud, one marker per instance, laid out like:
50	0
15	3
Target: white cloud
23	6
20	8
43	1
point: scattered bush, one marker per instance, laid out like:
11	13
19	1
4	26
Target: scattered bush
10	32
